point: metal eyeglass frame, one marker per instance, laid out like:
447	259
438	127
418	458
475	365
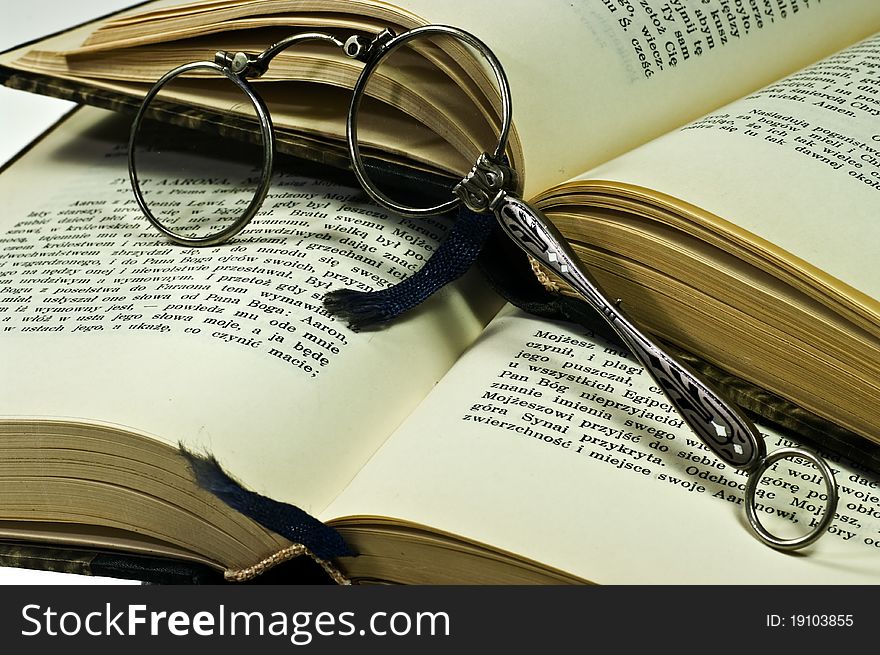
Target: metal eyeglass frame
490	187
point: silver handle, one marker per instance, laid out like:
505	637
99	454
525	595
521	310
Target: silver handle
720	425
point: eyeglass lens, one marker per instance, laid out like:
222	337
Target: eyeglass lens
198	182
431	104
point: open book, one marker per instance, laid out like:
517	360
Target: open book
538	455
467	442
744	233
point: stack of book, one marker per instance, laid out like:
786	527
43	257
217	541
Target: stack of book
716	169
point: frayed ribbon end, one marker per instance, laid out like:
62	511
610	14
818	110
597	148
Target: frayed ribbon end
358	309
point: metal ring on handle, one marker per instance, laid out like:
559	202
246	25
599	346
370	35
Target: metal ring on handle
358	93
830	504
268	157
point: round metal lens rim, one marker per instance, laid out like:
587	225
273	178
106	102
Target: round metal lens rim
830	504
268	137
358	92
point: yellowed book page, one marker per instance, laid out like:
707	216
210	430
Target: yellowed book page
229	349
544	441
595	78
794	168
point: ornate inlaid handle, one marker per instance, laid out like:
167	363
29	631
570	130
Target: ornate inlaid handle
720	425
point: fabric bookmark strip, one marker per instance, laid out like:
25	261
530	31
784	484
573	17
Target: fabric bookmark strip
284	519
453	257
